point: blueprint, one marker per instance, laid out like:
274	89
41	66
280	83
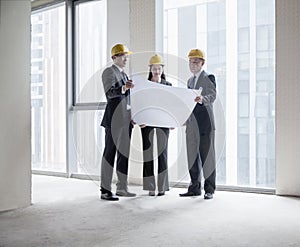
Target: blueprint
158	105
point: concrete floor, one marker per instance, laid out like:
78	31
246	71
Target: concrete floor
68	212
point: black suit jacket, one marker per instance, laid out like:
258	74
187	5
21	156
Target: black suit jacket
116	107
164	82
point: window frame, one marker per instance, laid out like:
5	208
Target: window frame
39	8
79	106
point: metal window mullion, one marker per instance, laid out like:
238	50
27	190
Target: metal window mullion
70	147
44	5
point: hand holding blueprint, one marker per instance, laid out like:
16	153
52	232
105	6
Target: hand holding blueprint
160	105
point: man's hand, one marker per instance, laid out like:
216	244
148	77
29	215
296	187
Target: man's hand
199	99
129	84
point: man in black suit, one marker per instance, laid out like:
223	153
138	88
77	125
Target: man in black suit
117	124
200	129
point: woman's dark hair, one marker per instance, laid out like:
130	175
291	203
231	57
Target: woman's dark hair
163	76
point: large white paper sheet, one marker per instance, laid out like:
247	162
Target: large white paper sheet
159	105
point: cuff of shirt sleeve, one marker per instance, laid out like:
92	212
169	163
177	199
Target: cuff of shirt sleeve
123	89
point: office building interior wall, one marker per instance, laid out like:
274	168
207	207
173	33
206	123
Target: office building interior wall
15	151
15	177
287	97
142	44
117	24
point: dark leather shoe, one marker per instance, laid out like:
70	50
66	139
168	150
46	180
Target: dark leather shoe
189	193
109	197
125	193
161	193
208	196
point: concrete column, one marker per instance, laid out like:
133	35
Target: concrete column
15	145
287	97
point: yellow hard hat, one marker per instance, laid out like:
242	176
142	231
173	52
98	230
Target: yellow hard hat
196	53
156	59
119	48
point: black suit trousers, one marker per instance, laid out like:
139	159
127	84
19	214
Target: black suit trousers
162	135
118	142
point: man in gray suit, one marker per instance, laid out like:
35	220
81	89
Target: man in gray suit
200	129
117	124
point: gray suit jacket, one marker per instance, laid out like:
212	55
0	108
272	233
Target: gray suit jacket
203	113
116	106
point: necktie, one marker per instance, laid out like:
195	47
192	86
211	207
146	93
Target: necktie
193	84
125	77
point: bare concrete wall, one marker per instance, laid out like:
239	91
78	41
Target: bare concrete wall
287	97
15	154
117	24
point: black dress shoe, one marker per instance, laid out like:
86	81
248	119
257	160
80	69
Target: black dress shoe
161	193
125	193
190	193
208	196
109	197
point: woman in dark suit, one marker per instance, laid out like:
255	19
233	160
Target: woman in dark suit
157	75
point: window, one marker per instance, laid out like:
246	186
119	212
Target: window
48	90
238	39
90	60
49	100
90	50
88	139
240	35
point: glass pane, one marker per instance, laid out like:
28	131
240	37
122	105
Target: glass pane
246	92
265	10
243	16
48	90
262	38
262	86
243	86
265	172
90	50
243	41
244	61
243	105
89	140
244	127
243	172
262	105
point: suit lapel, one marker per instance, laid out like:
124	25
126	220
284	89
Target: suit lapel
122	77
118	73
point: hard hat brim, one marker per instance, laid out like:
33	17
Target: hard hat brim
196	57
156	64
122	52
